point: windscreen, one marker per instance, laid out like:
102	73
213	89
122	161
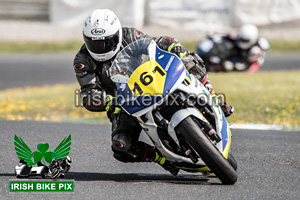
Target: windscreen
134	55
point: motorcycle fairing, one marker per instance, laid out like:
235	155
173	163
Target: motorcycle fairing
173	67
223	130
226	136
165	62
165	71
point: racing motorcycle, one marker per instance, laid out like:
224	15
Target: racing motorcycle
182	119
219	55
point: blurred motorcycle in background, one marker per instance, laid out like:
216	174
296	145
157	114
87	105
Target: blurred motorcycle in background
226	52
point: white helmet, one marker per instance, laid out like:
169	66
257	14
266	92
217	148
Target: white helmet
247	36
102	34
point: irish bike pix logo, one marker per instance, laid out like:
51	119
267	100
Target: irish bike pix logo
43	163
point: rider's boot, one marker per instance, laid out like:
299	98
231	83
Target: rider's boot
142	152
165	164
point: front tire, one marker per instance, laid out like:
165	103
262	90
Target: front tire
232	161
207	151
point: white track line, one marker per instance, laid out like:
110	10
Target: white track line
262	127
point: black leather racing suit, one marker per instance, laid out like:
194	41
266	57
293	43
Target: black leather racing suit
95	84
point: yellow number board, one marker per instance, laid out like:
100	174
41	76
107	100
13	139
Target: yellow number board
148	79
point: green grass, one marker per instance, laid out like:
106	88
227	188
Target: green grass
286	46
283	46
263	97
55	103
40	47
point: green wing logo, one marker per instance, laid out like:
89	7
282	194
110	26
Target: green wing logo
24	152
63	149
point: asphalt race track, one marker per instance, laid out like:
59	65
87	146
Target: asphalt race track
268	166
19	70
268	161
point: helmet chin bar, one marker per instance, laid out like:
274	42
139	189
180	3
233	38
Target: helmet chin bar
106	56
244	45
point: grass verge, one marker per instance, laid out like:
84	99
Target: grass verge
263	97
277	46
47	103
40	47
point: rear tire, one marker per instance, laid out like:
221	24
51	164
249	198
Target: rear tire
207	151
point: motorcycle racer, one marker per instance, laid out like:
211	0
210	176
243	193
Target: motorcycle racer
103	39
226	52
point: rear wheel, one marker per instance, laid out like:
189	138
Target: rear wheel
207	151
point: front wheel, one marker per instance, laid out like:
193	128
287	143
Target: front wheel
207	151
232	161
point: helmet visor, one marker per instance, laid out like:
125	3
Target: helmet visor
244	40
99	45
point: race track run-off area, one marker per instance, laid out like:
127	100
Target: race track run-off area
268	166
48	69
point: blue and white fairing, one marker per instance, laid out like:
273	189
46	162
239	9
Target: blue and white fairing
144	76
143	56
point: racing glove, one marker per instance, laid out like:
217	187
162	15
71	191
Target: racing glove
177	49
195	65
171	45
111	108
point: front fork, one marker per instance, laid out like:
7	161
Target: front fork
183	146
204	125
